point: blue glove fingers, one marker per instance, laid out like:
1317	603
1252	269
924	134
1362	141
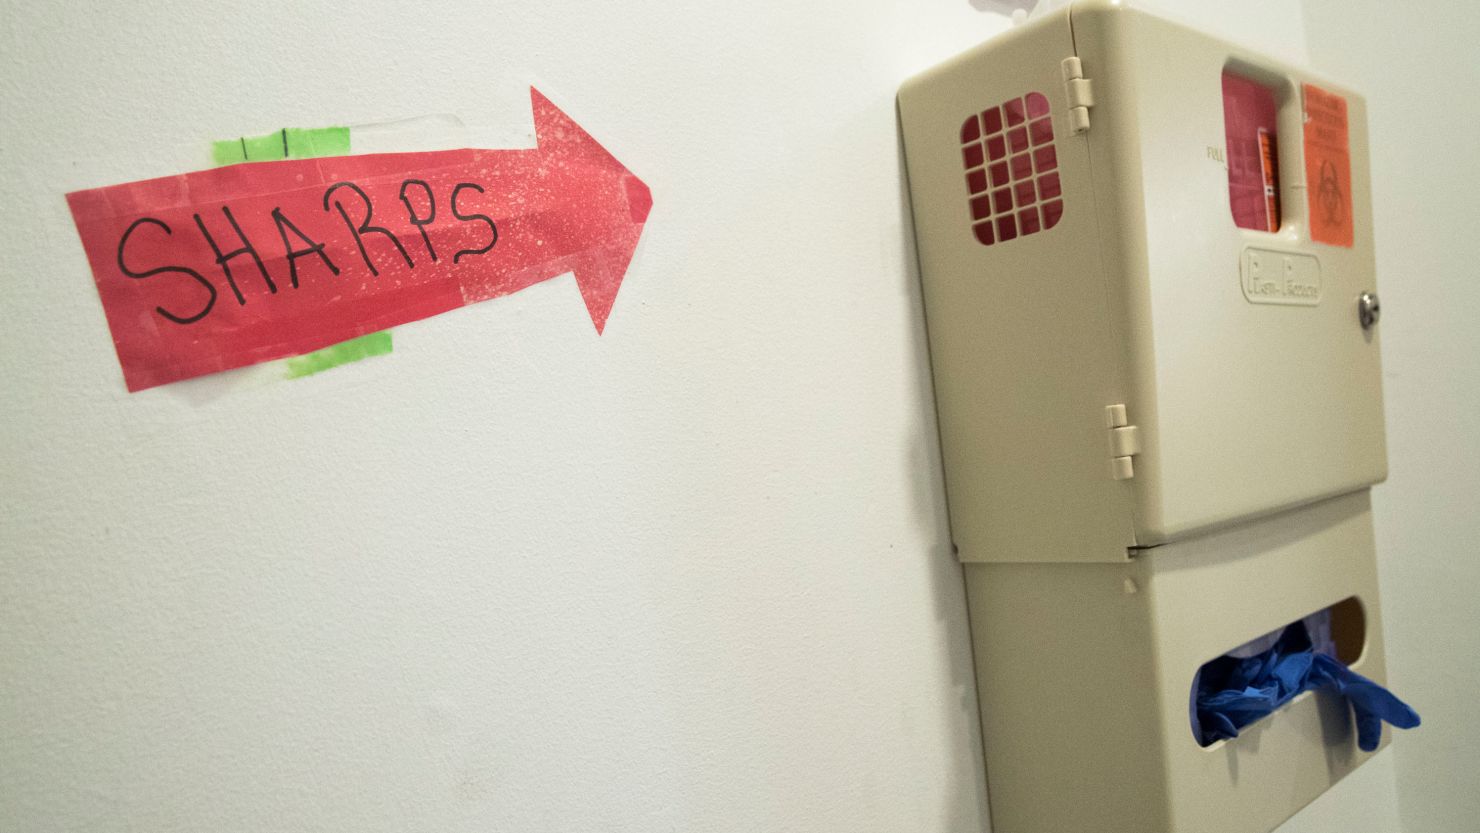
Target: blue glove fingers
1369	729
1371	703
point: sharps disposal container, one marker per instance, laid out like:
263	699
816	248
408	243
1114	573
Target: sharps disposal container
1149	287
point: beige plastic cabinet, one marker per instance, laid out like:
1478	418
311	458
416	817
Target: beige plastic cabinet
1151	298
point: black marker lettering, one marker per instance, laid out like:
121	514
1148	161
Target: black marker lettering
364	225
223	258
421	222
481	217
284	225
160	270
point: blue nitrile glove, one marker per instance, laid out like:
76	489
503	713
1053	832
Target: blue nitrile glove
1372	703
1233	692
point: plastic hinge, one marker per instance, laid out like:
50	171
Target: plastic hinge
1080	93
1125	442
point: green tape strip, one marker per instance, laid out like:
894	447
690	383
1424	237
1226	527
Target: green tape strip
375	344
323	141
304	143
227	152
288	143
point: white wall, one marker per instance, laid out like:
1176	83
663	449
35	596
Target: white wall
1423	96
691	575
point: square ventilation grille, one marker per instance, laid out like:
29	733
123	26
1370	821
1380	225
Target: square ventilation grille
1012	170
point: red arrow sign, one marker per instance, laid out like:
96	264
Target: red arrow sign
227	267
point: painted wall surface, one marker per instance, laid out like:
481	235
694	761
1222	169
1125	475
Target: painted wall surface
692	575
1423	108
689	575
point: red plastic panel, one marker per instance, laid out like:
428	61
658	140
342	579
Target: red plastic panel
1249	129
1012	177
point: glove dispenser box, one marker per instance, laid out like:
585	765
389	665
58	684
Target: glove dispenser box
1150	294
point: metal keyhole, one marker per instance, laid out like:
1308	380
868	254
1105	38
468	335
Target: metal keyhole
1368	309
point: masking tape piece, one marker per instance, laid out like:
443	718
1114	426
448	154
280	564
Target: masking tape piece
364	347
324	141
288	143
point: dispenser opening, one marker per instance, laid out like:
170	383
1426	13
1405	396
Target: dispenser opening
1248	683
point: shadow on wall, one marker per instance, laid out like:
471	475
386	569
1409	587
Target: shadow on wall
925	462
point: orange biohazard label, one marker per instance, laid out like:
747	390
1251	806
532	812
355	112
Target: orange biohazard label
1328	167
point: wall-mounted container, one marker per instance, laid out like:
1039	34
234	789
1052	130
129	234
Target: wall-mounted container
1143	251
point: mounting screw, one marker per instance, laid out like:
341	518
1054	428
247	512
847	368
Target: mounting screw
1368	309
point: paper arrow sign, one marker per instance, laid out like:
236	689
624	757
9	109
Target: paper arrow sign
231	266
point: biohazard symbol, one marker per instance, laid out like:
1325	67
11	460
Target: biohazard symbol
1329	196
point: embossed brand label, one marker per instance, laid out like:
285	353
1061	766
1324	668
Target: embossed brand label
1271	277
